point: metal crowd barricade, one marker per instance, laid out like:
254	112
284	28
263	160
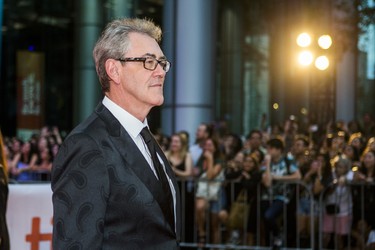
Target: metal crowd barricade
189	228
35	177
359	207
317	207
190	234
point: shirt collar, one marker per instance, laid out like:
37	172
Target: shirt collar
130	123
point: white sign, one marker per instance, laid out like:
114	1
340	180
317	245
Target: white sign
29	216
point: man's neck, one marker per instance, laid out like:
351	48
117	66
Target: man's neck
138	111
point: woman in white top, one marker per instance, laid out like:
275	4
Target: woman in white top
337	216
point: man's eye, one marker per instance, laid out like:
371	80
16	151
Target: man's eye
150	62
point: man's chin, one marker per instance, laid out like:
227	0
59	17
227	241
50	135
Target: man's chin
159	102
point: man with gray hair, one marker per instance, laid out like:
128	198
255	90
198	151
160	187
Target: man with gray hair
113	187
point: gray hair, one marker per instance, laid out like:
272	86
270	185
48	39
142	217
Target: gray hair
114	42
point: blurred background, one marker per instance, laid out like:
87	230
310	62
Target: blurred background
246	63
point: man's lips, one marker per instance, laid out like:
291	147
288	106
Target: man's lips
156	85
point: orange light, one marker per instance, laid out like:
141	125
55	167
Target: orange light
322	63
305	58
325	41
303	40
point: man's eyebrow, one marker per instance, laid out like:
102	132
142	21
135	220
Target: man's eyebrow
154	56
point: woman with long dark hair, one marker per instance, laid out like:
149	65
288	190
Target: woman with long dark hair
209	193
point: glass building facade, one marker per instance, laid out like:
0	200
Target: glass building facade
232	61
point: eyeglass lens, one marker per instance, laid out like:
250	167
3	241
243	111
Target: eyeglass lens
152	63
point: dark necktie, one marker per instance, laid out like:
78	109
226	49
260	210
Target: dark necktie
151	145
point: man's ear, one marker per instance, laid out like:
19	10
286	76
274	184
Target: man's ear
111	67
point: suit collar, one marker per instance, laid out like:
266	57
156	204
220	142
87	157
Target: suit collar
131	124
113	126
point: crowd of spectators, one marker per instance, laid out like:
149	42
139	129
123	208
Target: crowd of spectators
334	162
31	159
330	159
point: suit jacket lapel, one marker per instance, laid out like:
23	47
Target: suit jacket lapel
131	154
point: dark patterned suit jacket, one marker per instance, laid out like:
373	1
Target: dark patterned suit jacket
105	196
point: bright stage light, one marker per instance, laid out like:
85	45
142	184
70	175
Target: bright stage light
303	40
305	58
322	63
325	41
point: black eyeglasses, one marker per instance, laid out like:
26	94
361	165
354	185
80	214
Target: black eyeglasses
149	63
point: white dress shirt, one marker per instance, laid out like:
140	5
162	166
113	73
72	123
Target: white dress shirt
134	127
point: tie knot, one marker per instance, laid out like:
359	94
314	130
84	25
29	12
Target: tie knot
145	133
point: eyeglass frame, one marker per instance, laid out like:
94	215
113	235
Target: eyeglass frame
166	66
